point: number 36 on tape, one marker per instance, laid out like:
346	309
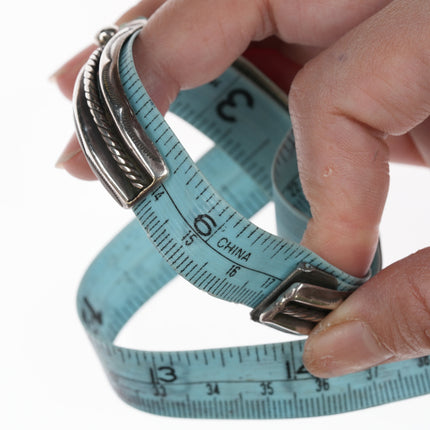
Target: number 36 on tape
195	220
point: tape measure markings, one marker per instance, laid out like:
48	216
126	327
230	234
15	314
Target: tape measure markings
263	381
350	399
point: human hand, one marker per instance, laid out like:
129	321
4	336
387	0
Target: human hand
362	99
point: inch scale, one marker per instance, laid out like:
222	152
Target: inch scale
196	216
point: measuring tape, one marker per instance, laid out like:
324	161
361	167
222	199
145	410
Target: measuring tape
187	213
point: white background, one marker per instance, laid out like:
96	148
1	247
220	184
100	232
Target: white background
53	225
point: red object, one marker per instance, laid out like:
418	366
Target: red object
273	64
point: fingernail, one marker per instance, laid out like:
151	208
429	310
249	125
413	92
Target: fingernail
65	156
343	348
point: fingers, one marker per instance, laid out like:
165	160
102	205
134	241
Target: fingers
187	43
73	160
65	77
216	34
387	319
371	83
276	66
310	24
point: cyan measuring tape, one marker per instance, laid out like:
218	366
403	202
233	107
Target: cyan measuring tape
187	212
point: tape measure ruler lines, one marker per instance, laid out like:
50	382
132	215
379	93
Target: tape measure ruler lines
196	216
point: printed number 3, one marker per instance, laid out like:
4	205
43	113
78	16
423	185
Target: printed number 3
231	101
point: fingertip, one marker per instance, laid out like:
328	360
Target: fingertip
74	162
65	76
349	249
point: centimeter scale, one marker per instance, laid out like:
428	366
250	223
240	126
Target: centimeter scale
196	222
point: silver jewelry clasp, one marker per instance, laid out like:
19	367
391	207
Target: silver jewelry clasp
300	302
117	148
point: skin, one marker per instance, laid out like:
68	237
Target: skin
358	78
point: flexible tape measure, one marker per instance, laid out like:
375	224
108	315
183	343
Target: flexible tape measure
196	223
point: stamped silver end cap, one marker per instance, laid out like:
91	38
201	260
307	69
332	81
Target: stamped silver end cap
116	146
300	302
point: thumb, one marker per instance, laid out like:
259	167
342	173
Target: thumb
387	319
